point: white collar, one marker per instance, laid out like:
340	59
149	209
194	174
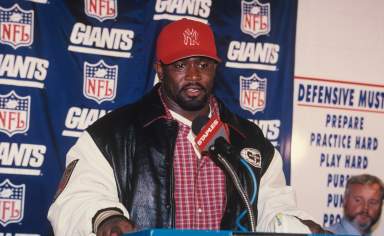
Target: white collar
180	118
184	120
191	136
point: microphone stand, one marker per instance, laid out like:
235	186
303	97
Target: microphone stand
236	180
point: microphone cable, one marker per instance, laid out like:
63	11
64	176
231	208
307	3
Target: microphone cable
235	178
253	196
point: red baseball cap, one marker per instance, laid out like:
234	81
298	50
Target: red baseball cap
185	38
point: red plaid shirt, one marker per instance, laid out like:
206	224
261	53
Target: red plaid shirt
199	191
199	184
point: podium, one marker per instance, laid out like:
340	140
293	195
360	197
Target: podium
182	232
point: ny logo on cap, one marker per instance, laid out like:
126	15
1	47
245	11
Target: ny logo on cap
191	37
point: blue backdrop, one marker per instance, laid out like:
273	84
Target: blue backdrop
64	64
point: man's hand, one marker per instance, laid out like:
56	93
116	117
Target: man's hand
115	226
315	228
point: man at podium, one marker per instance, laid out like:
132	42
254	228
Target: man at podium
140	166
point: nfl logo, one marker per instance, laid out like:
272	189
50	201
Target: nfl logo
14	113
255	18
11	202
101	9
253	93
100	81
16	26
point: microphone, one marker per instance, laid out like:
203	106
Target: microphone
212	137
207	131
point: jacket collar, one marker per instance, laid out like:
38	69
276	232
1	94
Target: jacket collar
152	108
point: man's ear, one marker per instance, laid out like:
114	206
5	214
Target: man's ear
159	70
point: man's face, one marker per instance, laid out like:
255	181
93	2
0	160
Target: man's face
188	83
362	205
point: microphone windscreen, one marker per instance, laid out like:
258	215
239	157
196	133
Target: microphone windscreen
223	146
198	123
